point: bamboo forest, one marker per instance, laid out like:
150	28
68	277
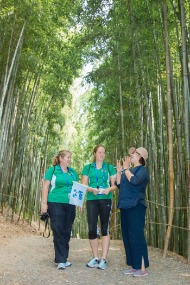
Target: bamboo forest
75	74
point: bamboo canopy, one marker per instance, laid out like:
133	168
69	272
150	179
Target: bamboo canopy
74	75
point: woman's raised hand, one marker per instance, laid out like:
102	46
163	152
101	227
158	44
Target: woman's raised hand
126	162
119	166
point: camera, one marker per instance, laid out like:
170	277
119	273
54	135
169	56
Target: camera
44	216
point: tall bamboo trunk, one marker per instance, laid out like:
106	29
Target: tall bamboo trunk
179	165
137	86
6	81
186	93
160	188
121	101
170	140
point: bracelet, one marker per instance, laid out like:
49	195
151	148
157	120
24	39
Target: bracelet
126	169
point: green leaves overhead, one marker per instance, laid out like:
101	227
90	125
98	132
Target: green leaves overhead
37	69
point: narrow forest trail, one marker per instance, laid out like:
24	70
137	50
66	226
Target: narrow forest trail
26	258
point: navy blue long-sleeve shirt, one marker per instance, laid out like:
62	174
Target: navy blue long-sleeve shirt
133	192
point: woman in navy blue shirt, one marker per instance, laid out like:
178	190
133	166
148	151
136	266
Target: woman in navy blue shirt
132	184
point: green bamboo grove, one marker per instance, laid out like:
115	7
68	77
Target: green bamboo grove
136	94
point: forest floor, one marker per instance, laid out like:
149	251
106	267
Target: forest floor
26	258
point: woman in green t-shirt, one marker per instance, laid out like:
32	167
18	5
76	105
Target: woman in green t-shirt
100	177
57	186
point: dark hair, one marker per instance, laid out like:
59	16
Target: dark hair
96	148
142	161
61	153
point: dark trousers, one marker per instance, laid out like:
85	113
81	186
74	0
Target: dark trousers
132	226
61	218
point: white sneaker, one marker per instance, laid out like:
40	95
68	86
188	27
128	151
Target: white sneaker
67	264
93	263
61	266
103	264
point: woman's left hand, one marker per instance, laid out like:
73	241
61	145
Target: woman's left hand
80	209
106	191
126	162
119	166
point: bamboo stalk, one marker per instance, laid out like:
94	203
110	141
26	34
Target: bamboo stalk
171	171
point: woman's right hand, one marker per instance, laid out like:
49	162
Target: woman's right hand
80	209
95	191
44	207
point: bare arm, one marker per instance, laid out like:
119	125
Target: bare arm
84	181
113	187
119	168
45	190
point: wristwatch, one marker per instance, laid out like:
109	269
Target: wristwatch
126	169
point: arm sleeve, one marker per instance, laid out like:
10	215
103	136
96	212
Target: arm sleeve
76	174
49	173
112	170
86	170
139	176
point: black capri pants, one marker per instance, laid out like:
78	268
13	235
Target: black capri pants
97	208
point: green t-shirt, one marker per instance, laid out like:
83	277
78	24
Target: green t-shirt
61	183
99	177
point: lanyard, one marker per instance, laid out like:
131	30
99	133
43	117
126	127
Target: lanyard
103	175
66	177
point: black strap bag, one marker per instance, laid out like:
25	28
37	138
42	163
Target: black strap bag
45	218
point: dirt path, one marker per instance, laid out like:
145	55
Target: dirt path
26	258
